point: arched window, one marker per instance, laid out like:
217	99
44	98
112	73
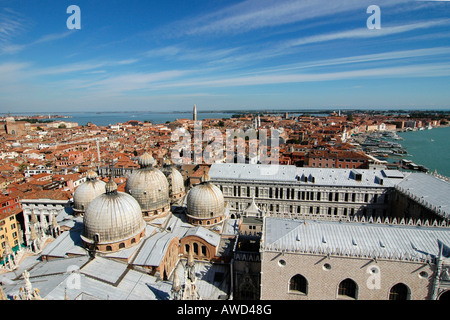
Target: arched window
133	240
121	245
399	292
348	289
299	284
108	248
195	248
186	248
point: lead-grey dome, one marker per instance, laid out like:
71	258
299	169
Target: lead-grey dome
175	179
87	191
112	217
205	201
148	185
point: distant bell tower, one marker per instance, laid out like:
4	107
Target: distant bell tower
194	113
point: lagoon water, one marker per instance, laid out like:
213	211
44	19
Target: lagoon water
430	148
107	118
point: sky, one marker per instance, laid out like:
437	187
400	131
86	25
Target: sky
223	55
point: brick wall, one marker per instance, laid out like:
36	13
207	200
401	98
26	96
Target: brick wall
323	283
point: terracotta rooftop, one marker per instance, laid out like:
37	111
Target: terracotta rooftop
49	194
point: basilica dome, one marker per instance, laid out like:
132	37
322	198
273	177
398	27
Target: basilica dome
176	182
113	221
205	204
149	186
87	191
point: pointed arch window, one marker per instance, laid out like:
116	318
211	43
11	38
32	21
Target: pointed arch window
399	292
348	289
298	284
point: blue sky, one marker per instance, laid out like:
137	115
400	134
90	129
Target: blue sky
253	54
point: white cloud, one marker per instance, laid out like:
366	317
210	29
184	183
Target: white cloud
120	84
15	48
79	67
376	57
424	70
181	52
366	33
256	14
243	55
11	24
12	72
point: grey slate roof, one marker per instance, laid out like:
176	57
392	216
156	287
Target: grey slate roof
153	250
102	278
428	190
231	227
207	235
354	239
68	242
292	174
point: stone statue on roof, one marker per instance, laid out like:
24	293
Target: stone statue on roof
27	292
190	291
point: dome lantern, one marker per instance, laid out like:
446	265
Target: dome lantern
111	186
146	160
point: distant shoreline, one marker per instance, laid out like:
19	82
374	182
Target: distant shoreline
247	111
